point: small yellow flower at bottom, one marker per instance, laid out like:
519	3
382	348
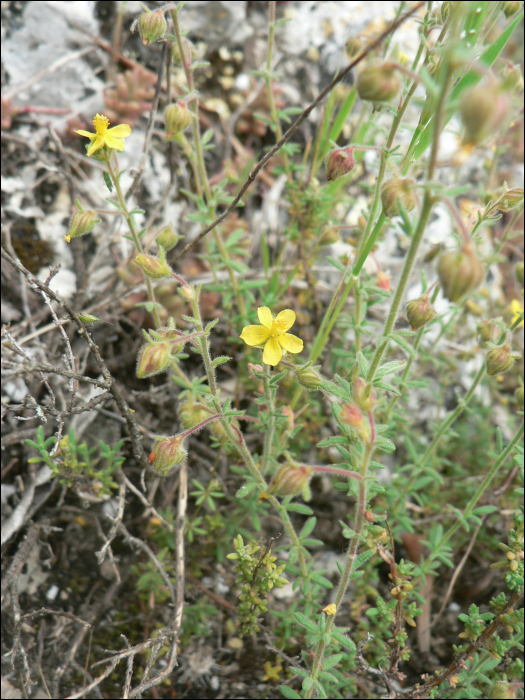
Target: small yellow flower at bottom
330	609
517	309
272	673
113	138
272	335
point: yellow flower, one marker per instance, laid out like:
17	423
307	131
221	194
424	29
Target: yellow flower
273	673
113	138
330	609
517	310
272	335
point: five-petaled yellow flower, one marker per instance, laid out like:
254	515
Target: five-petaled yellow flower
272	335
113	138
517	310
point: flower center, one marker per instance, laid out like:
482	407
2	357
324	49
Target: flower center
278	328
101	124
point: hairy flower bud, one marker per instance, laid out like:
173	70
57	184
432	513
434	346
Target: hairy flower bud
383	280
363	394
499	360
168	453
396	191
502	690
308	377
512	78
510	7
152	26
81	222
154	268
378	83
519	273
460	272
188	48
329	235
191	414
485	330
339	162
420	312
153	358
351	415
483	109
177	118
167	238
511	199
292	480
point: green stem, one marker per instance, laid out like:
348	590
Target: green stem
270	427
349	563
134	235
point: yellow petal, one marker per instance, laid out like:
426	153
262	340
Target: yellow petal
96	145
86	133
112	142
265	317
290	342
272	352
255	335
120	131
285	319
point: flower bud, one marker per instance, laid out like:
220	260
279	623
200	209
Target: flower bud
187	291
378	83
354	45
519	273
292	480
501	690
511	199
339	162
330	609
395	191
510	7
153	358
420	312
512	78
485	330
351	415
178	118
499	360
152	26
168	452
188	48
81	222
190	414
363	394
383	280
329	235
460	272
167	238
154	268
483	109
308	377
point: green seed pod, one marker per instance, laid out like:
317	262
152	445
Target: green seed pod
167	452
485	330
519	273
177	118
292	480
460	272
510	7
339	162
420	312
483	109
81	222
501	690
152	26
511	199
329	235
167	238
190	414
499	360
378	83
153	358
308	377
395	191
154	268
